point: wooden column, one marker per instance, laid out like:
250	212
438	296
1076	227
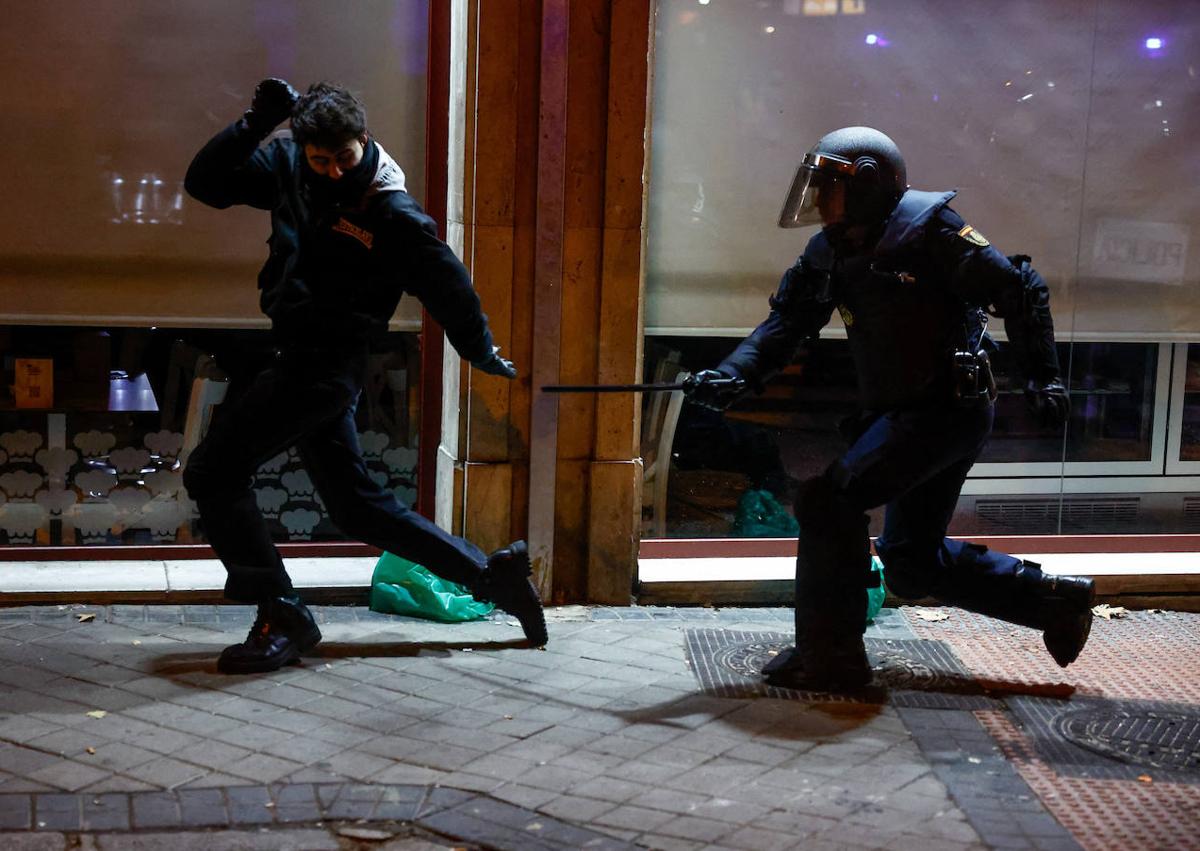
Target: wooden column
547	151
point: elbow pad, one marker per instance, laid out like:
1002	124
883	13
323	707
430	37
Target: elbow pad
1027	321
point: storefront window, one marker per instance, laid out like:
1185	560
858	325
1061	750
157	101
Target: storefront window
95	457
116	287
1112	387
1031	119
733	474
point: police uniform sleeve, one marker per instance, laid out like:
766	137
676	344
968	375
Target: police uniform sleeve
431	271
231	169
1009	287
800	308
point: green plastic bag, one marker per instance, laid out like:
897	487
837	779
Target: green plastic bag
875	595
402	587
761	515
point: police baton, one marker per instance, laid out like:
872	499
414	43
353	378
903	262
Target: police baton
687	386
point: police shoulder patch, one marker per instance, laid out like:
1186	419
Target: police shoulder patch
973	236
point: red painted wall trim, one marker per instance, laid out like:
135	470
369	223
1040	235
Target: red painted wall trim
437	152
759	547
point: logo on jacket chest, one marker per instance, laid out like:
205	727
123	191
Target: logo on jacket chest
350	229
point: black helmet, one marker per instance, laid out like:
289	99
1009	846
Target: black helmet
852	176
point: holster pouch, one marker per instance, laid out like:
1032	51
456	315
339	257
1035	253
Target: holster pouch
972	379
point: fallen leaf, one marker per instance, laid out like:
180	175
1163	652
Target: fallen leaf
90	750
931	615
1104	610
365	833
1145	778
96	713
85	618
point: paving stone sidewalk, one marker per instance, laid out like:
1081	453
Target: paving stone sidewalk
117	732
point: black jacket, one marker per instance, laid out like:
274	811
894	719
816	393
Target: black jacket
906	304
335	272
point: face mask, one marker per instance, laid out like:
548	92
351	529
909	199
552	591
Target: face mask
347	189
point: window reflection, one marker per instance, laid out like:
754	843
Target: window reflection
734	474
1112	400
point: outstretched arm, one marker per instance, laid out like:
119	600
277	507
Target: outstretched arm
800	308
443	285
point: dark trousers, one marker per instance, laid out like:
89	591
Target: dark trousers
307	400
915	463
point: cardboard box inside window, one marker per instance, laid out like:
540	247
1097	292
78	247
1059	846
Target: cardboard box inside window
34	384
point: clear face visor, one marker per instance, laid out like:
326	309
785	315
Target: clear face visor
818	192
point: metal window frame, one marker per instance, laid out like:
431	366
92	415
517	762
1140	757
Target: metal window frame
1175	417
1056	469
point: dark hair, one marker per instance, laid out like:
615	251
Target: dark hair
327	116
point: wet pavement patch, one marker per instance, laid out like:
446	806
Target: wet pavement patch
908	672
1114	739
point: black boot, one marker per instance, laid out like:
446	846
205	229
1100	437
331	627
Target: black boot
1059	606
842	667
505	581
282	631
1067	612
833	568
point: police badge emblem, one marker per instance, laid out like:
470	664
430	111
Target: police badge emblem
973	236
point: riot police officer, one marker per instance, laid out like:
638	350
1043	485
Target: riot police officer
911	281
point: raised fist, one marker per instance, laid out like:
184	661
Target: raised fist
272	104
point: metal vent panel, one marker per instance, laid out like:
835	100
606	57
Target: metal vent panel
1038	514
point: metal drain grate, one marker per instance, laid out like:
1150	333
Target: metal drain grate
911	673
1114	739
1164	740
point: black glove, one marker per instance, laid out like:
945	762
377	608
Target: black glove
711	388
272	105
1049	402
496	365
